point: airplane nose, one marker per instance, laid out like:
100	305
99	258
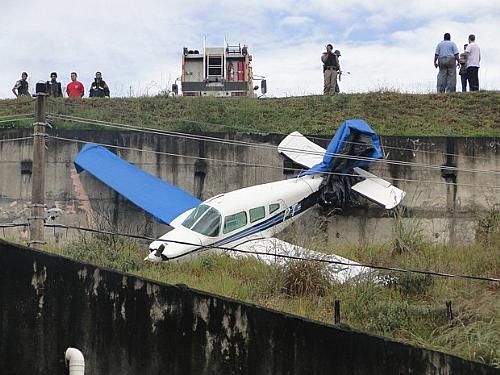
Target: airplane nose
156	255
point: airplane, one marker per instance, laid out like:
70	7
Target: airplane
246	220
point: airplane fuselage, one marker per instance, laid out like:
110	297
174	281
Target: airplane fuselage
230	219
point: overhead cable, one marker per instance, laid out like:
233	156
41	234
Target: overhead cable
16	119
15	139
267	166
291	257
265	146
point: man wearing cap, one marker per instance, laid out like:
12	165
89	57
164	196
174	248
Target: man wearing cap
53	87
75	89
446	58
330	67
21	87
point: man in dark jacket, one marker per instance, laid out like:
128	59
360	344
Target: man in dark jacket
99	88
53	87
330	67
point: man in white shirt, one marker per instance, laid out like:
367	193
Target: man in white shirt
473	58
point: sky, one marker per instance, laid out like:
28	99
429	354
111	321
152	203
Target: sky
137	45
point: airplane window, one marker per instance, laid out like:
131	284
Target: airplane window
209	224
257	213
273	207
233	222
195	215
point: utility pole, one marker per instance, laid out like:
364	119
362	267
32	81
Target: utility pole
38	181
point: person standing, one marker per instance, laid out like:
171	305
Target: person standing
330	67
463	69
21	87
473	59
445	57
53	87
75	89
99	88
339	72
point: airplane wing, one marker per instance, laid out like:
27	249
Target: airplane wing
273	251
163	201
301	150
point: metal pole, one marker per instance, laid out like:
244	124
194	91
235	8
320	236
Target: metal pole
38	186
337	312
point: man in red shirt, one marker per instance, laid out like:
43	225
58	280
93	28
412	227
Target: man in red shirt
75	89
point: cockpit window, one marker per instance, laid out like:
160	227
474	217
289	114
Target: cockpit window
195	215
209	224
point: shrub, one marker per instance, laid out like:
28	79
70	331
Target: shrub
106	251
407	233
409	283
305	279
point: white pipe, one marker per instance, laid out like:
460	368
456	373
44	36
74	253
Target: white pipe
76	361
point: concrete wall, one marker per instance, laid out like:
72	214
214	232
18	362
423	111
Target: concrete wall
126	325
445	212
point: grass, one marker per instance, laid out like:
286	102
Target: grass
410	307
390	113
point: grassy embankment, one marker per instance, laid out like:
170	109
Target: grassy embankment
411	309
469	114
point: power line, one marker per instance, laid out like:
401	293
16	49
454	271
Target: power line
445	154
13	225
15	139
19	115
252	129
264	146
16	119
291	257
266	166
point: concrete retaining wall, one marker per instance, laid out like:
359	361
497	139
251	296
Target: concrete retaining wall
126	325
445	212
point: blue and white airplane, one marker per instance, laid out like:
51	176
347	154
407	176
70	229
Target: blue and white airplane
247	219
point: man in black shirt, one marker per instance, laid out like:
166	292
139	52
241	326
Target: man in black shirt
21	87
99	88
330	67
53	87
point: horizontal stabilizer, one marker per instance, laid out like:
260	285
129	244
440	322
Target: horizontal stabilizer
274	251
378	189
301	150
163	201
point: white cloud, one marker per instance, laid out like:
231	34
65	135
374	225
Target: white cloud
137	45
295	20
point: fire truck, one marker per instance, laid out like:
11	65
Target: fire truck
218	71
